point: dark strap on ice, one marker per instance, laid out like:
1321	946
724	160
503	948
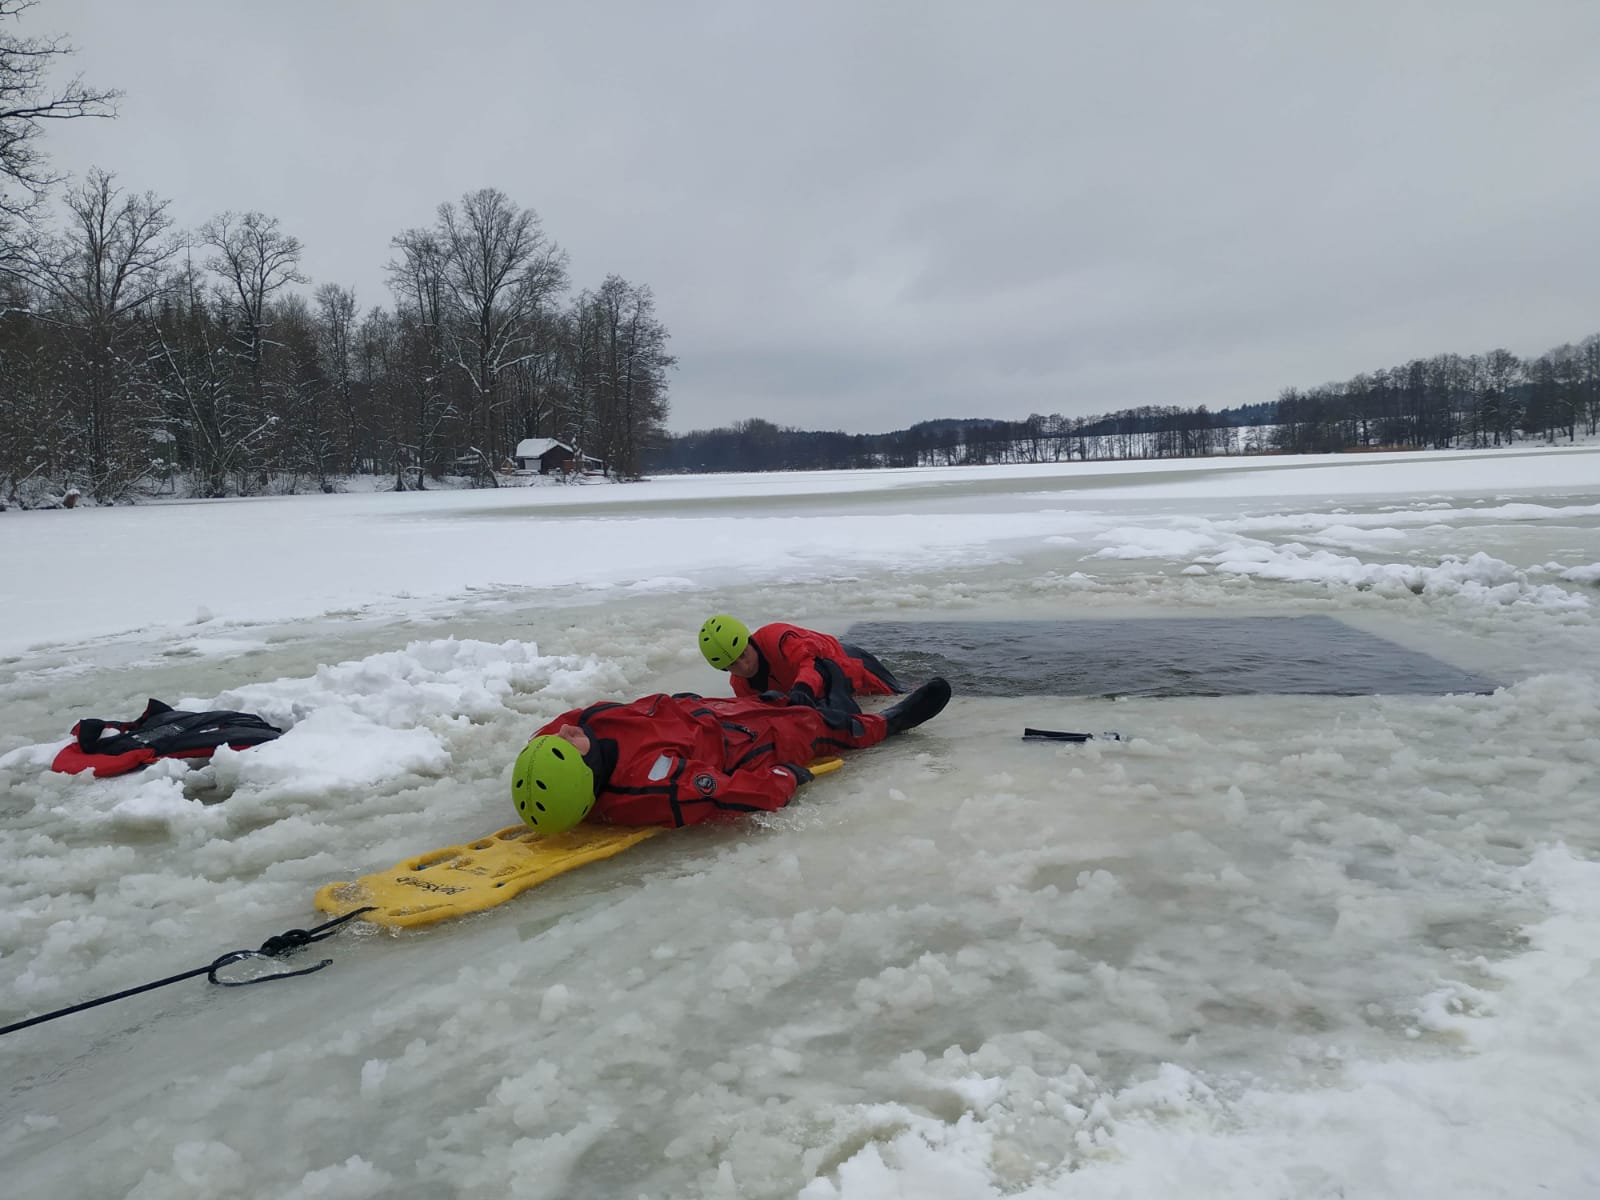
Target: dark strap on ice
1061	735
283	943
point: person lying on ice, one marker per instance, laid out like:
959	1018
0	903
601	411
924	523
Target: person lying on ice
681	760
788	659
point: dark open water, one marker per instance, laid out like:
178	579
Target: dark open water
1188	656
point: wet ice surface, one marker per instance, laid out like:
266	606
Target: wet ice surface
1269	946
1189	656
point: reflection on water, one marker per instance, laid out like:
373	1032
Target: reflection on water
1199	656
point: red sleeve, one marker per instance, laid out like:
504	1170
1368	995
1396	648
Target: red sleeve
706	793
797	651
741	686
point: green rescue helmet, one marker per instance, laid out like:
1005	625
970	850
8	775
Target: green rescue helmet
723	639
551	785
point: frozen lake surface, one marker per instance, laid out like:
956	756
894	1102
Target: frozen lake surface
1286	945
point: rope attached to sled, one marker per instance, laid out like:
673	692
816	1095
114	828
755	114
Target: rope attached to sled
280	944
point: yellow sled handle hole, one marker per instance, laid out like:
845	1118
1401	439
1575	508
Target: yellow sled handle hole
425	861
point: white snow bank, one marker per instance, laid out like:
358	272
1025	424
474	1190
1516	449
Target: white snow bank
387	553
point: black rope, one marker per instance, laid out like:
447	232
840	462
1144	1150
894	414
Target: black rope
283	943
1061	735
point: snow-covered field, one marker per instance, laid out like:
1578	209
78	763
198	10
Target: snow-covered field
1268	947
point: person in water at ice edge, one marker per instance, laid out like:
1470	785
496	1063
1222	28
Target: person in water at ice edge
681	760
788	659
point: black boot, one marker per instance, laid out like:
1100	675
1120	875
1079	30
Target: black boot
924	704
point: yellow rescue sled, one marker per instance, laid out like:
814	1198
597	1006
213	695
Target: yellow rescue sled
456	880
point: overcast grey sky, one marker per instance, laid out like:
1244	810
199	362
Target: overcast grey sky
860	215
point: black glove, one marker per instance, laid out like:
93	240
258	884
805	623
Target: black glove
770	697
801	775
801	694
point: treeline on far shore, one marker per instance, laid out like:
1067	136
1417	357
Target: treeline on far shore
1447	401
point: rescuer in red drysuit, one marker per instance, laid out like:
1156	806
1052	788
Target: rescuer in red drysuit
788	659
681	760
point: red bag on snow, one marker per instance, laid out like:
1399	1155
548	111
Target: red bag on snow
117	747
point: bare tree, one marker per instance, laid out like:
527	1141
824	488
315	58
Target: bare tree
336	330
537	383
623	364
114	257
1589	350
35	419
642	379
1569	388
307	438
255	260
500	273
417	279
26	101
380	371
111	264
216	430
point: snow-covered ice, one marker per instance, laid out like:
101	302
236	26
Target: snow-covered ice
1302	946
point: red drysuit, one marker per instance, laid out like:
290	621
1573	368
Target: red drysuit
789	657
680	760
